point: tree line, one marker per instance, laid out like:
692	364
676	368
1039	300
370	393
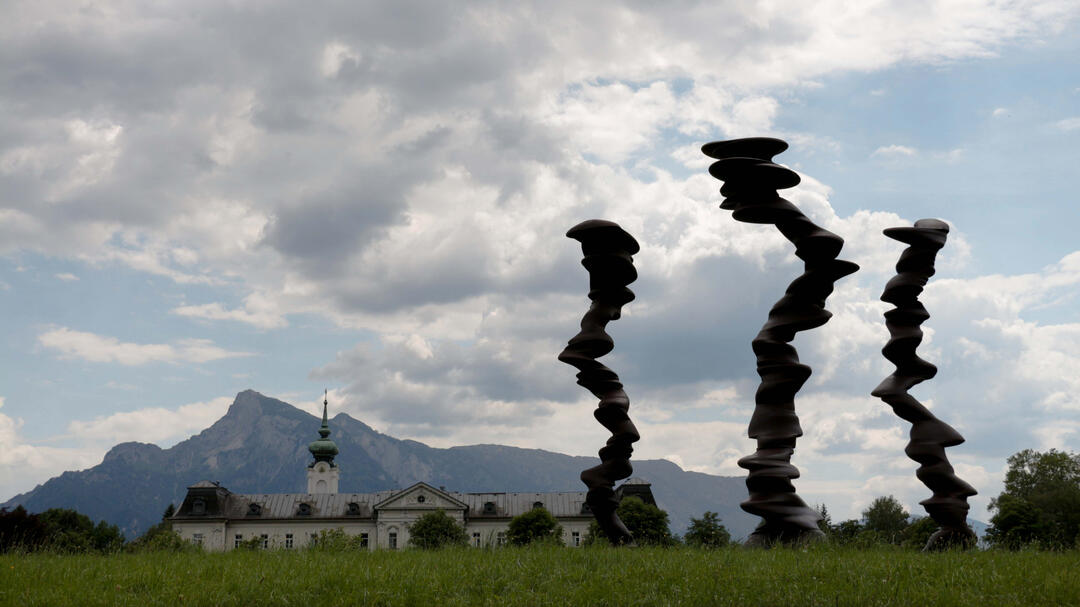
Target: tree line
56	529
1039	507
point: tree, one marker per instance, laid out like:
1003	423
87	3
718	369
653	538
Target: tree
647	523
436	530
69	531
825	524
887	518
918	533
159	537
20	530
1040	503
846	532
707	532
535	525
57	529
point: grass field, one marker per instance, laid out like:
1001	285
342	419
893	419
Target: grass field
546	576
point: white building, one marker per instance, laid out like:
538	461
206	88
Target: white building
218	519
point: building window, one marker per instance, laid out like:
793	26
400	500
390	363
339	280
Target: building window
363	540
538	505
254	509
420	499
237	540
354	509
197	539
500	538
392	539
304	509
586	509
576	538
314	538
489	507
265	541
198	506
288	540
476	539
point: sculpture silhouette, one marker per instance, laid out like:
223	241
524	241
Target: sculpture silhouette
607	249
929	435
751	181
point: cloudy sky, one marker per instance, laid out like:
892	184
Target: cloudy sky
197	198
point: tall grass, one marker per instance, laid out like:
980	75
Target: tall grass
537	576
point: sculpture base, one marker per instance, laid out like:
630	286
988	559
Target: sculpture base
764	537
951	539
602	502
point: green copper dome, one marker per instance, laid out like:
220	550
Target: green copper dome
323	449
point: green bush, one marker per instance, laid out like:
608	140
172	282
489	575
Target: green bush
707	532
436	530
918	533
165	540
331	540
647	523
536	525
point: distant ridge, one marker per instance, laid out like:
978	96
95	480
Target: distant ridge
260	446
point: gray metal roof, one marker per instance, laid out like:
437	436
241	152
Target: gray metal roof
287	505
561	504
336	505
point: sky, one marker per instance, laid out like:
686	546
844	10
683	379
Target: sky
197	198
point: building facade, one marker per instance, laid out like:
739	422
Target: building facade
218	519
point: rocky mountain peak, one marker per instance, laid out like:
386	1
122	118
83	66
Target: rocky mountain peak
260	446
132	453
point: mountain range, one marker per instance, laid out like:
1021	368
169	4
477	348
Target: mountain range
260	446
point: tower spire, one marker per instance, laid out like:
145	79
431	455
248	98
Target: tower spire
324	449
324	431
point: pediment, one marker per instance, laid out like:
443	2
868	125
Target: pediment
421	496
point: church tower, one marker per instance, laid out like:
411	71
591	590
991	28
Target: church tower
323	473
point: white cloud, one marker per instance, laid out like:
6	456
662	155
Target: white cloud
22	464
336	55
151	425
105	349
894	151
1068	124
67	276
413	175
259	311
1000	111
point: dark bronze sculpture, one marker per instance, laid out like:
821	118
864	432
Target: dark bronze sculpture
751	181
607	249
929	435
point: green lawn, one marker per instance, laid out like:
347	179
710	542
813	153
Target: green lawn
546	576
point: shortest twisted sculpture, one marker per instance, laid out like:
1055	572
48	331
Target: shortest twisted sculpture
929	435
607	249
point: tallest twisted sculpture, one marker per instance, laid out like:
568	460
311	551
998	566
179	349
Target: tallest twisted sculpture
751	181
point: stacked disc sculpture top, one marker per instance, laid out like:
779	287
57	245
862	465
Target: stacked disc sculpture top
751	181
607	249
929	435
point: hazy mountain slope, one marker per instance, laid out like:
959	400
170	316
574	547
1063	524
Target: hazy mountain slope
260	445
